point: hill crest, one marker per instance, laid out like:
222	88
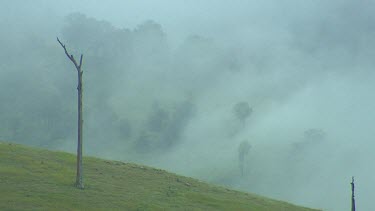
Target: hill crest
33	178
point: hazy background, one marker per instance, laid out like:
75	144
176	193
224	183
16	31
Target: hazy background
162	80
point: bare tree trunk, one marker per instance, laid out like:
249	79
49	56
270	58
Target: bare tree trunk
353	199
79	177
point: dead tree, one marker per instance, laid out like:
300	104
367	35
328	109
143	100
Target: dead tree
353	199
79	177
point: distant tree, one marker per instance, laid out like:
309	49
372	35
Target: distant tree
242	111
79	177
243	150
180	117
311	138
158	119
163	128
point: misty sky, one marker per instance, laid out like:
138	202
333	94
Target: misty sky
162	79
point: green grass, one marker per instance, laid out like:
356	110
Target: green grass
37	179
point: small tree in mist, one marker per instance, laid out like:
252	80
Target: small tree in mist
243	150
79	177
311	138
242	111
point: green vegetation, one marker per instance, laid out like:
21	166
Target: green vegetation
38	179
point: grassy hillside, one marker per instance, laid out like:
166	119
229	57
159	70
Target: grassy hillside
36	179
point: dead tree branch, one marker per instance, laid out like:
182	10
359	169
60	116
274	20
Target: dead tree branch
71	57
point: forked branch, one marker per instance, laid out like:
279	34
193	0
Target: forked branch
71	57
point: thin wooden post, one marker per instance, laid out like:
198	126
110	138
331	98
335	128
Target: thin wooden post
353	199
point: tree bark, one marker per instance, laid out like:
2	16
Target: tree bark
353	199
79	176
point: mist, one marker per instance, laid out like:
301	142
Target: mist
163	82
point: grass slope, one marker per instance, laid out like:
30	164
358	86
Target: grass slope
37	179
